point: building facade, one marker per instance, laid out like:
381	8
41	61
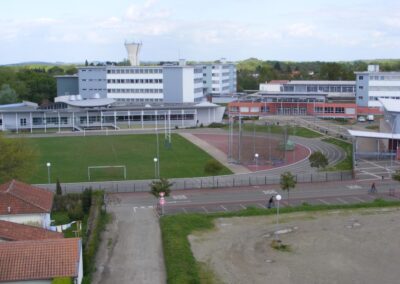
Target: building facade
372	85
219	78
102	114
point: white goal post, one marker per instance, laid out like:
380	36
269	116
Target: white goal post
105	167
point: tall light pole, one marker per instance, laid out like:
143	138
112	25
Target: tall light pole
48	172
278	198
155	167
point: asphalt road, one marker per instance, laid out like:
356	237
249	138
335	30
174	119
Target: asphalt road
231	199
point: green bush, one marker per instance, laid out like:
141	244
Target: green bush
62	280
76	212
216	125
86	200
212	167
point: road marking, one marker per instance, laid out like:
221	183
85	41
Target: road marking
150	206
355	186
142	207
341	200
223	208
269	192
204	209
262	206
179	201
184	210
179	197
242	206
134	210
323	201
357	198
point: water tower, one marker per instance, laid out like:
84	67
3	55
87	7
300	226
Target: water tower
133	49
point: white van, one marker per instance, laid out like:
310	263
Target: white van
370	117
361	119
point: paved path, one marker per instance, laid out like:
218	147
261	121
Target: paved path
131	250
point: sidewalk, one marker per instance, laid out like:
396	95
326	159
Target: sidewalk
131	250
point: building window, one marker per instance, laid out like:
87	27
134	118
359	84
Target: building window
339	110
22	121
1	121
360	77
360	97
361	87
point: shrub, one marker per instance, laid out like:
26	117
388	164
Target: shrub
62	280
162	185
86	200
76	212
216	125
212	167
58	187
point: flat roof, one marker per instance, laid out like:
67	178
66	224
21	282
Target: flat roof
390	104
371	134
320	82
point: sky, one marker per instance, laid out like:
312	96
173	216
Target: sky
308	30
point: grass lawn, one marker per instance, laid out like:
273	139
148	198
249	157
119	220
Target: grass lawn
71	156
278	129
347	163
180	263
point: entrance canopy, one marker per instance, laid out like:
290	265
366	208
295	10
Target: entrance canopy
370	134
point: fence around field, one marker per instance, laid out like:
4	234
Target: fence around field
199	182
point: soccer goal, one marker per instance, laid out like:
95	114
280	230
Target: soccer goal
111	172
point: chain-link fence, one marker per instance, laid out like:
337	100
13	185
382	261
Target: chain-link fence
200	182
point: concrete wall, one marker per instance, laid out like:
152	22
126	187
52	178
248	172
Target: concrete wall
67	85
92	81
38	219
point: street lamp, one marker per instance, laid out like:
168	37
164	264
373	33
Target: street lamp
278	198
162	202
256	158
155	167
48	171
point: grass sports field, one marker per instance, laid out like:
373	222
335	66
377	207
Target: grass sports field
71	156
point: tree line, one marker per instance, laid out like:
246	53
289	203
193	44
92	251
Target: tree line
251	72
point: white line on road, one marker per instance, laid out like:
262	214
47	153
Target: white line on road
205	210
357	198
180	201
150	206
269	192
354	186
222	206
323	201
262	206
242	206
134	210
184	210
341	200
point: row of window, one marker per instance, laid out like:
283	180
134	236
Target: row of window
329	109
139	100
322	88
136	91
376	98
97	80
381	78
135	71
146	117
385	88
135	81
84	89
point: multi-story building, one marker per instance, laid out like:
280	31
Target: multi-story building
219	78
371	85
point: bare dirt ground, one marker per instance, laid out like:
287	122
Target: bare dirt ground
359	246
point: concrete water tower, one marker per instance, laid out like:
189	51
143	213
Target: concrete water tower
133	49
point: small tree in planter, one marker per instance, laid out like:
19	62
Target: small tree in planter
318	160
212	168
162	185
288	181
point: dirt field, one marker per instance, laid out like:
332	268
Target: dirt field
360	246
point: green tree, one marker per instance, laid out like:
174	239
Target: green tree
7	95
396	175
288	181
87	200
318	160
58	187
162	185
212	168
17	159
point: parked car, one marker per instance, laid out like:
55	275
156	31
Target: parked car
361	119
370	117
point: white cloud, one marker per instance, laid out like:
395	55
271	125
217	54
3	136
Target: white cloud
301	30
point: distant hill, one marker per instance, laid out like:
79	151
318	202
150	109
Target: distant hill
40	63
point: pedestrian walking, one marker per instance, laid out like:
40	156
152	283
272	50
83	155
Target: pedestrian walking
271	202
373	188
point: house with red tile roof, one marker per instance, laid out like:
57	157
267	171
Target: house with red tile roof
25	204
10	231
40	261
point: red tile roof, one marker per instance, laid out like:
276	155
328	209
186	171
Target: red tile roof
11	231
22	198
39	260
